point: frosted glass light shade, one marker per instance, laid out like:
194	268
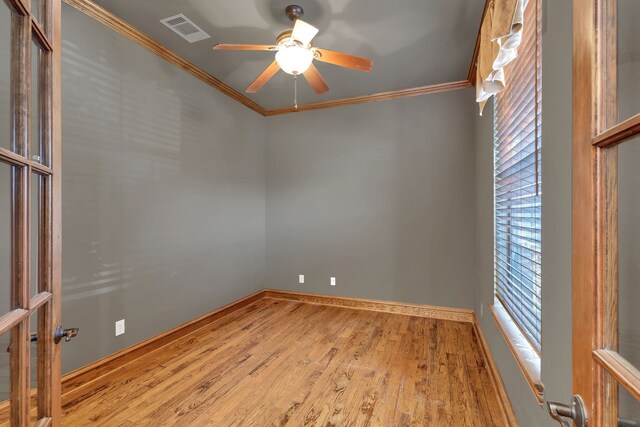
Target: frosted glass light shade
294	59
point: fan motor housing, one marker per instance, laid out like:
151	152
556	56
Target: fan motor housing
285	37
286	34
294	12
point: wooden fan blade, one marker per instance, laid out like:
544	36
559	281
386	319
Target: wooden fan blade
222	46
263	78
303	32
344	60
315	80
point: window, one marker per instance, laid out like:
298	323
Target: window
518	184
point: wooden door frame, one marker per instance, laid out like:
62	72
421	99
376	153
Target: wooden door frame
28	29
596	133
583	200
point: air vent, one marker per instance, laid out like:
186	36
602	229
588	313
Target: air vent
185	28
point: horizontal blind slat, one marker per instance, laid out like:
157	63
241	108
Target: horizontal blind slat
525	277
504	250
524	293
524	280
530	321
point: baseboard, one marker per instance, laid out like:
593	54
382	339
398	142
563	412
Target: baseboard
434	312
503	398
81	377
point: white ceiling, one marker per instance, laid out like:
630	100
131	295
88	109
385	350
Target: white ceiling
411	42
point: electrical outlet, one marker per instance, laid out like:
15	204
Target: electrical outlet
300	278
120	327
333	281
481	310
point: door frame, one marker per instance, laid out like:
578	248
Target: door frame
34	159
596	134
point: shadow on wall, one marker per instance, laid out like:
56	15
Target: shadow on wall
163	193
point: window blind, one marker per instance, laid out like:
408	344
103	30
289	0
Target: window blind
518	183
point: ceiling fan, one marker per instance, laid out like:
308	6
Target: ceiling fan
295	54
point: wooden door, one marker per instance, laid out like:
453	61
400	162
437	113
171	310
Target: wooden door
606	210
29	211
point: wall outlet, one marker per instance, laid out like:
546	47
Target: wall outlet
300	278
333	281
120	327
481	310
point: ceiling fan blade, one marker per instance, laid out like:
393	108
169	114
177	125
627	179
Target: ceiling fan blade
303	32
315	80
263	78
223	46
344	60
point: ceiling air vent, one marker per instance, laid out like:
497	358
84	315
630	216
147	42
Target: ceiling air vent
185	28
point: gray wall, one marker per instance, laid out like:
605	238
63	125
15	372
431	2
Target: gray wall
629	198
556	230
380	196
5	273
163	193
5	237
5	193
628	58
628	267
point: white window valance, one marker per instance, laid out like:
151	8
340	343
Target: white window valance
500	37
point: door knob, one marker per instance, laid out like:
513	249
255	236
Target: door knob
575	411
67	334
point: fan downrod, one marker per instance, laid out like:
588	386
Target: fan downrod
294	12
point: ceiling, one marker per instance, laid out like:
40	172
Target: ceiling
412	43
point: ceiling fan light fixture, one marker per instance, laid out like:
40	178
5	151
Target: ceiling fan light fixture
294	58
295	55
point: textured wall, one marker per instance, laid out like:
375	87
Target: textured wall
556	227
380	196
163	193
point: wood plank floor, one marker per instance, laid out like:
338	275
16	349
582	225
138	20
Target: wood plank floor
279	362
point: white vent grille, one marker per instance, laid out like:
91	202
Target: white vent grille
185	28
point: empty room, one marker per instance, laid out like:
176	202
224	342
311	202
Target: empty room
320	213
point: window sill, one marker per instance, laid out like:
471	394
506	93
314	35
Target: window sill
527	358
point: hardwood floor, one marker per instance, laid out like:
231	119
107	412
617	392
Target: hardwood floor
285	362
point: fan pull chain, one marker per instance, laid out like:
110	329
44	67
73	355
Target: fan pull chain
295	91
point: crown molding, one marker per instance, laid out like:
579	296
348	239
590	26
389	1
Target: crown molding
376	97
125	29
